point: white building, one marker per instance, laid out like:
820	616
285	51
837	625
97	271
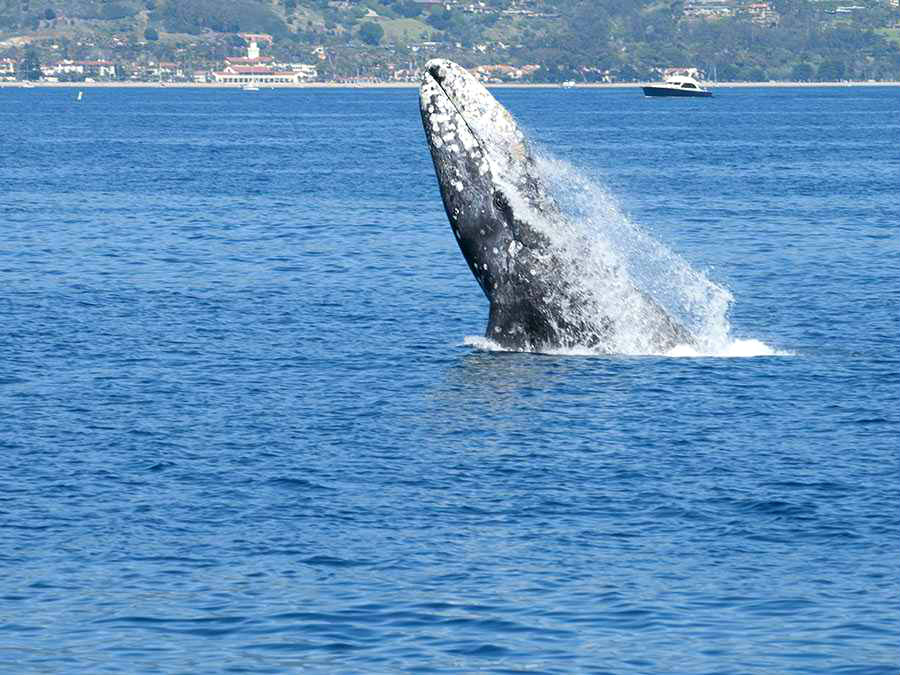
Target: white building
255	75
7	69
103	69
255	69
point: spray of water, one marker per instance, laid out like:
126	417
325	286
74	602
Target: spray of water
620	276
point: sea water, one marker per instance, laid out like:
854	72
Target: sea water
247	425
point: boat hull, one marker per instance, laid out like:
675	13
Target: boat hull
672	91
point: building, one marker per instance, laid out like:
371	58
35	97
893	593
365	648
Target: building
92	69
165	70
708	9
503	72
7	69
761	13
255	75
256	69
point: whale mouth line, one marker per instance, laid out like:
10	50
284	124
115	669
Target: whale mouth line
433	72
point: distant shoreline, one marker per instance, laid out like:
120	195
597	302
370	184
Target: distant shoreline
414	85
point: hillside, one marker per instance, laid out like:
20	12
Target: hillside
583	40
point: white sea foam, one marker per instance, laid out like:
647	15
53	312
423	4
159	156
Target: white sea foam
734	349
618	271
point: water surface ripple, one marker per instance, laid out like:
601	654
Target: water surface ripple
241	431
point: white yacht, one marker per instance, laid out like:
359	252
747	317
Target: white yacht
677	85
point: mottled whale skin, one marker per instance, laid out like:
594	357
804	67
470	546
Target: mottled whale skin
488	184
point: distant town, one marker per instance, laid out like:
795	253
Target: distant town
293	42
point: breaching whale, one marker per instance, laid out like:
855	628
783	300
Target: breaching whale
494	197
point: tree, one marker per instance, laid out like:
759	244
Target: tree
371	33
629	73
49	14
31	66
440	19
831	71
150	34
802	72
755	74
728	72
409	9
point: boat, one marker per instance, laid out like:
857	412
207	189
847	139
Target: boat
250	87
80	96
677	85
568	84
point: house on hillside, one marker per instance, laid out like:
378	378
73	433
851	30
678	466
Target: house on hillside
707	9
761	13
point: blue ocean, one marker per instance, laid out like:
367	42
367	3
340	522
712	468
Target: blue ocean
249	424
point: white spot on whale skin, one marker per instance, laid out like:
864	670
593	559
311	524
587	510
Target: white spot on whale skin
496	252
483	266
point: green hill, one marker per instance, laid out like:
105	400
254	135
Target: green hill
582	40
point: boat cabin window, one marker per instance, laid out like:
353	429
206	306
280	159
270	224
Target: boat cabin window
688	85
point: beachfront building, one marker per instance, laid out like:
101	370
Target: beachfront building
255	75
165	71
78	69
256	69
7	69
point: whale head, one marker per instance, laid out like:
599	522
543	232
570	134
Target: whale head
481	160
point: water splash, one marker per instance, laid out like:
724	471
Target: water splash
735	349
620	274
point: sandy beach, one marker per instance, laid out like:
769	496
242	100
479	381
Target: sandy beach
408	85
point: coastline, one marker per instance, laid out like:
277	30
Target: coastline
415	85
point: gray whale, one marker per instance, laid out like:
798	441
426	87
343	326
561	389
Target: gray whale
494	196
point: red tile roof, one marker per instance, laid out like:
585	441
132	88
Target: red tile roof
253	70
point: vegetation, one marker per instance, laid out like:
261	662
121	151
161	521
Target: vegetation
371	33
30	67
583	40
